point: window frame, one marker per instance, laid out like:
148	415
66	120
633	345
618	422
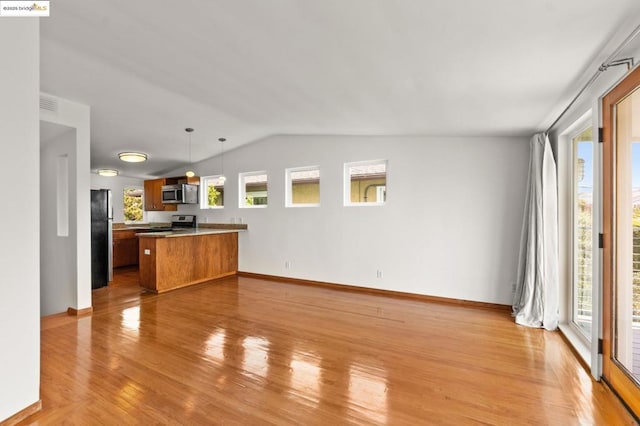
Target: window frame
582	334
289	187
242	190
347	182
204	195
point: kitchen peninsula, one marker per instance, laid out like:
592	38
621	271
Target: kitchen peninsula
175	259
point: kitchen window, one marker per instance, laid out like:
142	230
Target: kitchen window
212	193
303	186
253	189
132	204
365	183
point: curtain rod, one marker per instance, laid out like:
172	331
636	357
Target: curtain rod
609	62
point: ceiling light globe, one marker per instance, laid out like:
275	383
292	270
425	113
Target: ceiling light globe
222	179
190	174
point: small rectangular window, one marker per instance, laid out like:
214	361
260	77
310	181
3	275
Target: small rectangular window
212	193
303	186
365	183
132	204
253	189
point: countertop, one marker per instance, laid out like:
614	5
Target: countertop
134	228
187	233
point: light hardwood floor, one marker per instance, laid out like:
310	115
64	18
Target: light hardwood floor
247	351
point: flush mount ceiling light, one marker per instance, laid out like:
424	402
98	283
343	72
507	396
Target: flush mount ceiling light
189	173
108	172
222	177
133	157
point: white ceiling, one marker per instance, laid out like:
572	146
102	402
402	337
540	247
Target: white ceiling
248	69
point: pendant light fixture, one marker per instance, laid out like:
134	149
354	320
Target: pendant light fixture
222	177
189	173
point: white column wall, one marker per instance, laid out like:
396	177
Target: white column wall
19	245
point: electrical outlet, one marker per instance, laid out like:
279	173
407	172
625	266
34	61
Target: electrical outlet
287	264
147	251
379	273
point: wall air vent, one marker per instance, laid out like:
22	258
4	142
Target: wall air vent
48	103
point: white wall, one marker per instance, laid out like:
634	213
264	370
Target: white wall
58	273
19	252
77	116
450	228
116	184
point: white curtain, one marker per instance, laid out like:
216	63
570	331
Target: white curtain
535	302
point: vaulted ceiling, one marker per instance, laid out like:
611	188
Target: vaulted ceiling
248	69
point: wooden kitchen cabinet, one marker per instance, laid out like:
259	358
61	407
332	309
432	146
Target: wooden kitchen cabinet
125	248
153	196
171	262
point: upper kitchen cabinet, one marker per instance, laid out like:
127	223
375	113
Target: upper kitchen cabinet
153	196
193	180
153	192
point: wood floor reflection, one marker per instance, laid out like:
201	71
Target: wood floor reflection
246	351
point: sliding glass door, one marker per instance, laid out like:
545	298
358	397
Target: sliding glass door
621	255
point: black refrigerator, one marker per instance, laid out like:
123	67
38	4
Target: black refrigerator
101	238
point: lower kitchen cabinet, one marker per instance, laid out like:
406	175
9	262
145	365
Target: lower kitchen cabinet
125	248
171	262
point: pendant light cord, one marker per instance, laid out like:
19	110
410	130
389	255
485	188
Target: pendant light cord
189	172
222	177
222	140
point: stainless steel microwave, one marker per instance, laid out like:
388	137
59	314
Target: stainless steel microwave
180	194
